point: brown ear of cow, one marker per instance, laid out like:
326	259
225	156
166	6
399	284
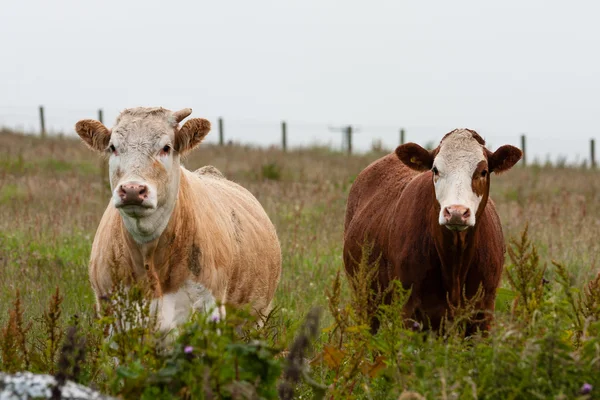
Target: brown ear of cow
191	134
504	158
93	133
415	157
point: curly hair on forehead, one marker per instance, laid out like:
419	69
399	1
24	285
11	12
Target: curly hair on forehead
143	112
472	132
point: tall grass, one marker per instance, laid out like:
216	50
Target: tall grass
544	342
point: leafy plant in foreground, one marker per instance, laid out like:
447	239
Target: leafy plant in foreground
526	276
207	360
13	345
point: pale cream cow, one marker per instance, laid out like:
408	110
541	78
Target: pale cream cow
196	238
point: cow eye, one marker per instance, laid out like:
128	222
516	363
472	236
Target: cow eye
112	148
483	173
435	171
166	149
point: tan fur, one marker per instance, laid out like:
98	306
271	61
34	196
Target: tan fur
93	133
191	134
239	264
209	170
202	227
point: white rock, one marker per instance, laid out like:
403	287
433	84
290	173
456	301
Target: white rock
26	385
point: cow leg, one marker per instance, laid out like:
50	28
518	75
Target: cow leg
375	324
485	314
164	309
483	319
200	298
489	279
481	323
262	314
373	306
409	311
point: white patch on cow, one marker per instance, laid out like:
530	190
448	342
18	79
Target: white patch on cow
170	311
456	162
138	149
173	309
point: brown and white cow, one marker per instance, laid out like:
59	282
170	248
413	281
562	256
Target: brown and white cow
429	216
195	238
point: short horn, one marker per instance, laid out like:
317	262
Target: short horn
180	115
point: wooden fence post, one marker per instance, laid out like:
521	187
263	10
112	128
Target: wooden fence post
402	136
349	138
524	159
283	135
103	161
221	133
42	123
593	153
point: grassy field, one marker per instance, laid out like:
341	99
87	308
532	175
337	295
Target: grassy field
52	197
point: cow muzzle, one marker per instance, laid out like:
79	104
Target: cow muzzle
133	196
456	217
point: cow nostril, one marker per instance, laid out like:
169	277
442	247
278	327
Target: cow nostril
143	190
467	213
447	213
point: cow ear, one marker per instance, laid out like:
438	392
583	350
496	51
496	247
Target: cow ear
415	157
503	158
191	134
93	133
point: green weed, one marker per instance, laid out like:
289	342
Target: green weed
544	342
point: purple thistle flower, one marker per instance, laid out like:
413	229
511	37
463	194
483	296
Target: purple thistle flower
215	318
586	388
188	349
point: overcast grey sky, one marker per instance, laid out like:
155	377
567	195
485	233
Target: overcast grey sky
502	67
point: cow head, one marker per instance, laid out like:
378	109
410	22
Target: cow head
460	168
144	149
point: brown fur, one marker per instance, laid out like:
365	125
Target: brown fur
415	156
393	206
480	183
503	158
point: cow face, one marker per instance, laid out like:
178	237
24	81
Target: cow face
461	167
144	149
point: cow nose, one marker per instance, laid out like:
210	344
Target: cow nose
133	193
456	214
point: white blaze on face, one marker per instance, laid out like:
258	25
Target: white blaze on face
456	163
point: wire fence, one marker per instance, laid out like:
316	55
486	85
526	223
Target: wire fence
540	147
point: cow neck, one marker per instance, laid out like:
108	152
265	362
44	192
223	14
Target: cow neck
153	256
455	251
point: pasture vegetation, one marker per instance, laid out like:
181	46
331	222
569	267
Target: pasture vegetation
545	342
